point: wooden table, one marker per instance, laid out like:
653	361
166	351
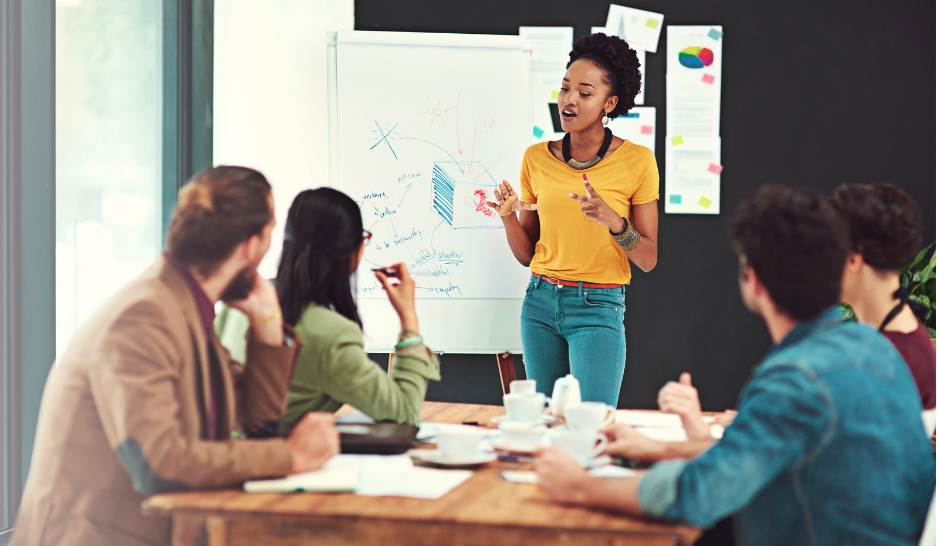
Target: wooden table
484	510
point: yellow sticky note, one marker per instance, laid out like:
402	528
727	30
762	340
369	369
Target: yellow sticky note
677	140
705	203
652	23
555	95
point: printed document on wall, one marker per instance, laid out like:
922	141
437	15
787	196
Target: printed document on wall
549	53
693	145
639	126
641	29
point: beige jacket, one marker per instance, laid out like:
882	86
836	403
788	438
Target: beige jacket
125	415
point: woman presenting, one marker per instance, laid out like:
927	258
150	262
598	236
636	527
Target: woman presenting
589	207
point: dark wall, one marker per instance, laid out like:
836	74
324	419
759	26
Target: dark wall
814	94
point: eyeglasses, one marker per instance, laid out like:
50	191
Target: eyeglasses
366	237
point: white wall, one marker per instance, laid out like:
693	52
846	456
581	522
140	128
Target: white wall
271	110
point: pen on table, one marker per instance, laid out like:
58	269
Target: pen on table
515	458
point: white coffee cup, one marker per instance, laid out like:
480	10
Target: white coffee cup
524	386
581	445
521	436
459	442
591	416
524	407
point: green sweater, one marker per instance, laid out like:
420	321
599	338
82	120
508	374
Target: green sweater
333	368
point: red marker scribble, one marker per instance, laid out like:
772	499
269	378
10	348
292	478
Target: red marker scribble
481	197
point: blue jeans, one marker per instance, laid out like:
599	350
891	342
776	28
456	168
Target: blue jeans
569	329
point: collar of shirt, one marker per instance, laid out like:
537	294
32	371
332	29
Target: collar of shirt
827	319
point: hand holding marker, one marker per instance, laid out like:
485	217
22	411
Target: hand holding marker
595	208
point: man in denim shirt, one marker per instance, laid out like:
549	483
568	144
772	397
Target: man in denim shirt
827	445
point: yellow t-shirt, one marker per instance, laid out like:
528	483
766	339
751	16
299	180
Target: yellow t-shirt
571	246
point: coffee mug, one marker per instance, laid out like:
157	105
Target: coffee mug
582	446
521	436
459	442
590	416
524	386
524	407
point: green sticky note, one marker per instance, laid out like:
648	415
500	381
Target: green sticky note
555	95
652	23
677	140
705	203
676	199
538	132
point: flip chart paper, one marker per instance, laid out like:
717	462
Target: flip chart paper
550	47
641	29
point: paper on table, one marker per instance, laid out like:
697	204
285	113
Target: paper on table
395	476
429	430
606	471
664	434
327	480
641	29
550	48
648	419
642	57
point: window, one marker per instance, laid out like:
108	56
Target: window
108	133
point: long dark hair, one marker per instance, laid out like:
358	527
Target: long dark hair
323	232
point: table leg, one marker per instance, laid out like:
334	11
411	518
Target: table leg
506	369
198	530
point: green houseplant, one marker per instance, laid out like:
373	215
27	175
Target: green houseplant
919	277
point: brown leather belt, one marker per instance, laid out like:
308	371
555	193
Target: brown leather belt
561	282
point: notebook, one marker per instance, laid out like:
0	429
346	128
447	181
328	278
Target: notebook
328	480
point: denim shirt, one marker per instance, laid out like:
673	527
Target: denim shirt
827	448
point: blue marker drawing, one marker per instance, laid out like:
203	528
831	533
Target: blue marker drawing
384	138
461	203
404	194
436	145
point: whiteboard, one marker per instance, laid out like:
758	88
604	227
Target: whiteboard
422	128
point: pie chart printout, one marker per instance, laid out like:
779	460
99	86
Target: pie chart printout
696	57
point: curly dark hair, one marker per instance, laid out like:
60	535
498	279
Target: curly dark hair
797	245
884	224
619	64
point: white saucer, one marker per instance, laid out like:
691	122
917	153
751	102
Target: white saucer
437	457
544	419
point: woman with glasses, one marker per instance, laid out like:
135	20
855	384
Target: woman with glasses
323	245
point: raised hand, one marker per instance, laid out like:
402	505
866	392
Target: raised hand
595	208
508	200
681	398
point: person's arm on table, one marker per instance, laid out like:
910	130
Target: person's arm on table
624	441
785	417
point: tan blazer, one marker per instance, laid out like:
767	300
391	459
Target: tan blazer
125	415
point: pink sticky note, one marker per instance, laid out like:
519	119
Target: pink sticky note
708	78
715	169
647	130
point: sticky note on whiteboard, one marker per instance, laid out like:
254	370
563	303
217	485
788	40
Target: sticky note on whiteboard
676	199
714	34
677	140
705	202
538	132
708	78
647	130
715	169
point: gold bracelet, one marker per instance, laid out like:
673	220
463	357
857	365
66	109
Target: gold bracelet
268	319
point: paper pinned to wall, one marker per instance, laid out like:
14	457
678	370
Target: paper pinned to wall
638	126
549	53
694	91
642	57
641	29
